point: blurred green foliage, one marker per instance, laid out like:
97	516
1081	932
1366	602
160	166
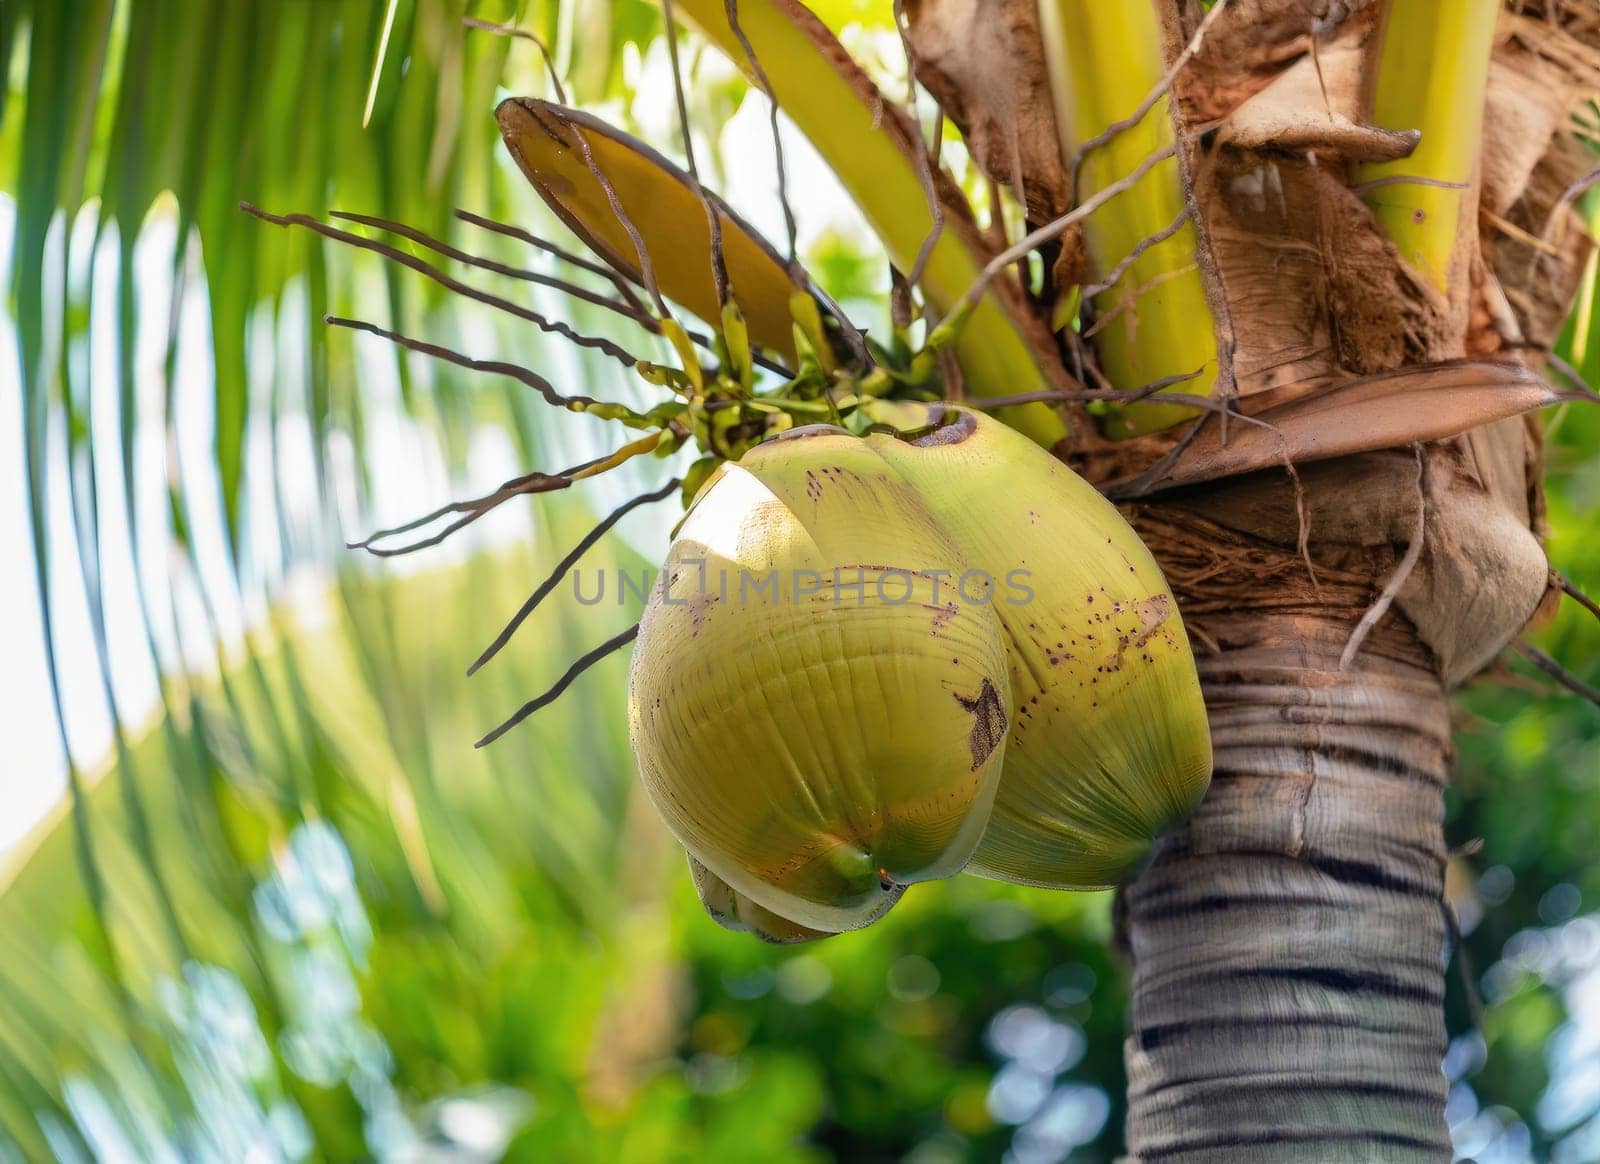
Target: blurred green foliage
296	911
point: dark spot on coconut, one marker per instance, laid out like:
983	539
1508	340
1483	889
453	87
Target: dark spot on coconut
699	607
988	722
1153	612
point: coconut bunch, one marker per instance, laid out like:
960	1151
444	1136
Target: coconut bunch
884	658
894	639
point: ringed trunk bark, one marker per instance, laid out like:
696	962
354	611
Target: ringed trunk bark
1288	941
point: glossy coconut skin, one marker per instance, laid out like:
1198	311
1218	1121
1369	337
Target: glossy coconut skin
1110	742
820	743
732	910
807	748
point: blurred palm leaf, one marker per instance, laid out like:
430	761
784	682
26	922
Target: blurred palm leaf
289	677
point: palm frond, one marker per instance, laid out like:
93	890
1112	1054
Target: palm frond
286	681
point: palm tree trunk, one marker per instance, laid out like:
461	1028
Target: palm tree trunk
1288	940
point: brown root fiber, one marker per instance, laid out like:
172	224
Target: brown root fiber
1315	105
1539	77
1255	42
1479	576
1278	114
1278	222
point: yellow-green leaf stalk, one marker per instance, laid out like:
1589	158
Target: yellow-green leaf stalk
1104	60
845	118
1431	74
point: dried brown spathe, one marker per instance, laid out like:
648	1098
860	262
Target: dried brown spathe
982	61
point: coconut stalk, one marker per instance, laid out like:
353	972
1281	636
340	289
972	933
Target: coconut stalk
1425	218
1150	317
913	208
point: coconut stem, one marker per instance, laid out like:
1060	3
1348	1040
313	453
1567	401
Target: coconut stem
1111	79
1431	74
609	647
